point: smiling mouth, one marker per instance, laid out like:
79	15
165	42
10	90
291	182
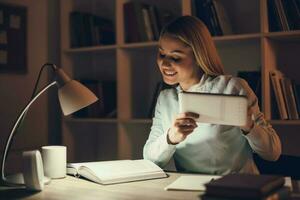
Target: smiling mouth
169	73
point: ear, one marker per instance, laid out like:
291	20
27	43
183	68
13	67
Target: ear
33	170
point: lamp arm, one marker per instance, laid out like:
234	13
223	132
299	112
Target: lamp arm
53	67
9	139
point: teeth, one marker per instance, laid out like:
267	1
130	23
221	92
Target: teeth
169	73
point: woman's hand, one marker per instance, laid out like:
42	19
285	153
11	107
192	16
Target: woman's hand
183	125
250	122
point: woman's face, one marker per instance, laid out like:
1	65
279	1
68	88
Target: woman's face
177	63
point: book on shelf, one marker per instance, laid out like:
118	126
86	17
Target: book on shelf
276	76
283	15
289	97
214	16
147	22
135	26
292	12
222	17
203	12
296	89
116	171
244	186
89	30
97	108
154	20
143	22
106	106
273	17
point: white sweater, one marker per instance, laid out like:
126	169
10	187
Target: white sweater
211	148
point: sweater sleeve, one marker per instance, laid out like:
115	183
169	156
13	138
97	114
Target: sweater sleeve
262	138
157	148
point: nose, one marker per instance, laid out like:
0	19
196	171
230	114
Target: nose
165	63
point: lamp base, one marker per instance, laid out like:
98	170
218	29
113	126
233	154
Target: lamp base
18	179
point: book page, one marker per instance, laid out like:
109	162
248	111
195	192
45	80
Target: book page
191	182
72	168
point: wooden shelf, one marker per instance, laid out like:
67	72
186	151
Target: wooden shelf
240	37
138	121
139	45
285	122
95	120
91	49
284	35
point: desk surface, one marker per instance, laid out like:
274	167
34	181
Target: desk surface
79	189
75	188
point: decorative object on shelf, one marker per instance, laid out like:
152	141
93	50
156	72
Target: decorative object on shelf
72	96
13	22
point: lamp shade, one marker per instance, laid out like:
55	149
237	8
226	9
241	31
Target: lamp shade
74	96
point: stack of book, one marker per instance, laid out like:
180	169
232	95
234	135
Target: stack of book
284	15
247	186
143	22
287	95
107	103
214	15
90	30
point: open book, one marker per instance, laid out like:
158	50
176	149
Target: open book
117	171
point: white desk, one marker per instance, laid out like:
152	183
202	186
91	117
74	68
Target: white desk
78	189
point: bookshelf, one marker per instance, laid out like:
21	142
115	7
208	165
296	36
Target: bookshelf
133	67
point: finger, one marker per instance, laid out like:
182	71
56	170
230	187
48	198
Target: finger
183	128
186	132
185	121
186	128
188	115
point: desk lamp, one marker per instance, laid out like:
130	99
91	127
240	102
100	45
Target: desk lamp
72	96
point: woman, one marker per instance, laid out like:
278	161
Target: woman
188	59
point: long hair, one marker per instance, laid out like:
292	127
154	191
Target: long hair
193	32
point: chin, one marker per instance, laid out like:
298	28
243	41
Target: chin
169	82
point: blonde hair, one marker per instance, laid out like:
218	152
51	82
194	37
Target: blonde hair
193	32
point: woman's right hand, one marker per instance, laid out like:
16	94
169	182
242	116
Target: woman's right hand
183	125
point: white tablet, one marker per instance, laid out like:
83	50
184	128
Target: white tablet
215	108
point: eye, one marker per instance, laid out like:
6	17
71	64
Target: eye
176	60
161	55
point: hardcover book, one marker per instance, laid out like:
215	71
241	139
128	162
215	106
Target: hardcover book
280	194
248	186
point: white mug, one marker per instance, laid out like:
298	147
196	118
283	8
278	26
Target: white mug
54	161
